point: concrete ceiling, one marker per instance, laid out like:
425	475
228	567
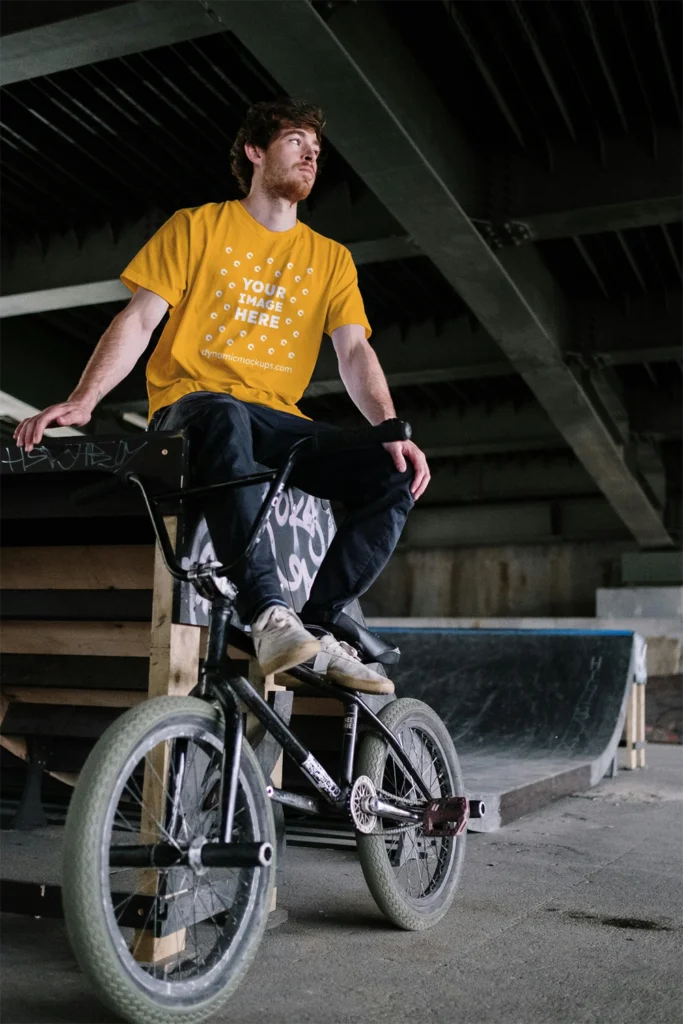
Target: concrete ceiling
508	181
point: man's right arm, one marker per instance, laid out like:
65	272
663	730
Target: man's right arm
116	354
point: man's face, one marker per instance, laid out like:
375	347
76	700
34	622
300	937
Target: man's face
290	164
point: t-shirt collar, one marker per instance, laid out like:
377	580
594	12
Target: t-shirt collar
259	228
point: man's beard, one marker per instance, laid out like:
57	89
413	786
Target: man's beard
293	189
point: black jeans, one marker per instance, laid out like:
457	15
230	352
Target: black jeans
229	438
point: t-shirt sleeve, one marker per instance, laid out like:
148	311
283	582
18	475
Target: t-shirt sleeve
346	303
162	264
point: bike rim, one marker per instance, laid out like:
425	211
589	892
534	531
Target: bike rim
421	864
185	963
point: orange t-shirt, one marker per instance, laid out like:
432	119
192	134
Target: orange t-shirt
248	306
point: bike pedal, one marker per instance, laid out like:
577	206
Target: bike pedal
446	817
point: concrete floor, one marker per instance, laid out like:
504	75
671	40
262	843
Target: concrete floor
570	915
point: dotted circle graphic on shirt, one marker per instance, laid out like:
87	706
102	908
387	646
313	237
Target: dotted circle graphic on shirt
250	347
236	263
292	354
305	291
296	334
288	320
243	334
264	337
231	285
278	273
290	266
228	249
257	269
301	312
271	351
270	260
226	306
250	255
214	316
297	278
309	270
223	271
219	295
292	299
208	337
284	341
221	329
229	341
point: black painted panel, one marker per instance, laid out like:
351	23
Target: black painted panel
84	672
77	605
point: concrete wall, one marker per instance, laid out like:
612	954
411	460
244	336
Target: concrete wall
506	580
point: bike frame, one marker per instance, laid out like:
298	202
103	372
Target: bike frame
221	681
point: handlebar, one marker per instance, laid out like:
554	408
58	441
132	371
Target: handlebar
327	442
363	437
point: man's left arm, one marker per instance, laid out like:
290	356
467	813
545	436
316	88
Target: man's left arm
365	382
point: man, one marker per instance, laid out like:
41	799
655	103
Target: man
251	290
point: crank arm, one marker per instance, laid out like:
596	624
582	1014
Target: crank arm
386	810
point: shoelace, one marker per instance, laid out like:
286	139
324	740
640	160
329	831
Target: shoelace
332	646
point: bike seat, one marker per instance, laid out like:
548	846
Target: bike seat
372	648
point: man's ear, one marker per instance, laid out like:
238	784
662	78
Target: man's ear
254	153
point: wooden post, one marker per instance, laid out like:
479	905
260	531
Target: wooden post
173	669
631	727
640	704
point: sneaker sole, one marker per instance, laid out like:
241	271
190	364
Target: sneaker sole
362	685
292	657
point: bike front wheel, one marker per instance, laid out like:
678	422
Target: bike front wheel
163	945
413	878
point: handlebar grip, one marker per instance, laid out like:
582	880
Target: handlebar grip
92	492
363	437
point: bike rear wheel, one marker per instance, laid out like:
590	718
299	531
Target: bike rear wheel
413	878
163	944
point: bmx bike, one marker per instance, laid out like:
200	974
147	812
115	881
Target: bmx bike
169	864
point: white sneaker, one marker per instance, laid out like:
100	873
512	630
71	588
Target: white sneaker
280	640
341	663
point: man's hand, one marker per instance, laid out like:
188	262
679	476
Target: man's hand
65	414
402	450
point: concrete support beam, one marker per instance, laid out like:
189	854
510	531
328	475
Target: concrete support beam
550	475
84	272
88	38
647	330
656	416
478	430
12	408
422	354
626	187
387	122
524	522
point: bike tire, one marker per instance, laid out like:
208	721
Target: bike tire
403	717
99	948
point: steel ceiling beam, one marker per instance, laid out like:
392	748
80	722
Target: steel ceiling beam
386	120
583	195
88	38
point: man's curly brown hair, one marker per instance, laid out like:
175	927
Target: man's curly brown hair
262	123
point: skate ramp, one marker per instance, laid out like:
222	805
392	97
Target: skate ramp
534	714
